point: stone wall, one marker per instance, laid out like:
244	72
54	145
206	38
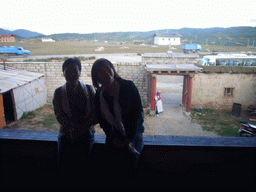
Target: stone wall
54	76
138	74
172	58
208	90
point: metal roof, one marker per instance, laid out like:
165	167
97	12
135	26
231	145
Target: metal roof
166	35
172	55
172	67
230	56
12	78
6	35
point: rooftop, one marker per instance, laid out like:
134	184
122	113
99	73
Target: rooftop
6	35
172	67
12	78
166	35
170	55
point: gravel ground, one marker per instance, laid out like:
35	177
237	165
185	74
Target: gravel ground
172	121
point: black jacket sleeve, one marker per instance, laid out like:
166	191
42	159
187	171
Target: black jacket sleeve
133	117
61	116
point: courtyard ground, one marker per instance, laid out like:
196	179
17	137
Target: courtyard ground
171	122
168	123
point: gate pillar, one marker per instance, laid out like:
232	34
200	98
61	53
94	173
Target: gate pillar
189	92
153	92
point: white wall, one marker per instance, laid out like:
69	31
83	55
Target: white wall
30	96
48	40
167	40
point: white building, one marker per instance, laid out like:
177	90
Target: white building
47	40
99	49
166	38
20	92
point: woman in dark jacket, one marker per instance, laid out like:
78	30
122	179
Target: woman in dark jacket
119	110
118	106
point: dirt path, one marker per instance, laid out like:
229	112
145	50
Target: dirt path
173	123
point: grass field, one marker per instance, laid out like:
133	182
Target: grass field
84	47
217	121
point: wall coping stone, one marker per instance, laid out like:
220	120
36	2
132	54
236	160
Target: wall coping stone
164	140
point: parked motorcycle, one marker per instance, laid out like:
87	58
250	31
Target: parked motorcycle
247	129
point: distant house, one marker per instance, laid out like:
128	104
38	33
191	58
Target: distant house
7	38
47	40
166	38
99	49
137	41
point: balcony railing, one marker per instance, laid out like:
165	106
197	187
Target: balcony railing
30	158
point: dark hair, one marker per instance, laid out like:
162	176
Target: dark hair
96	69
71	61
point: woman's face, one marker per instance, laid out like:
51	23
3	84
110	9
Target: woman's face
71	74
106	75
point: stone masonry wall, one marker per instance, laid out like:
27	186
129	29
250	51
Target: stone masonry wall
208	90
54	76
173	58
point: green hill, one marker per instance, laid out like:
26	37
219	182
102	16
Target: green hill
233	36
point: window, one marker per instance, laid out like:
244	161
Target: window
228	91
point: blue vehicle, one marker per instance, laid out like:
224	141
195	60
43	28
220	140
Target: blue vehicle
13	50
191	48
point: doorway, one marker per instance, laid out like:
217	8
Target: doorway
171	87
188	71
9	112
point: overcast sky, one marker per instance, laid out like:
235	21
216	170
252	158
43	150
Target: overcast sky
87	16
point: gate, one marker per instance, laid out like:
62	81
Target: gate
188	71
